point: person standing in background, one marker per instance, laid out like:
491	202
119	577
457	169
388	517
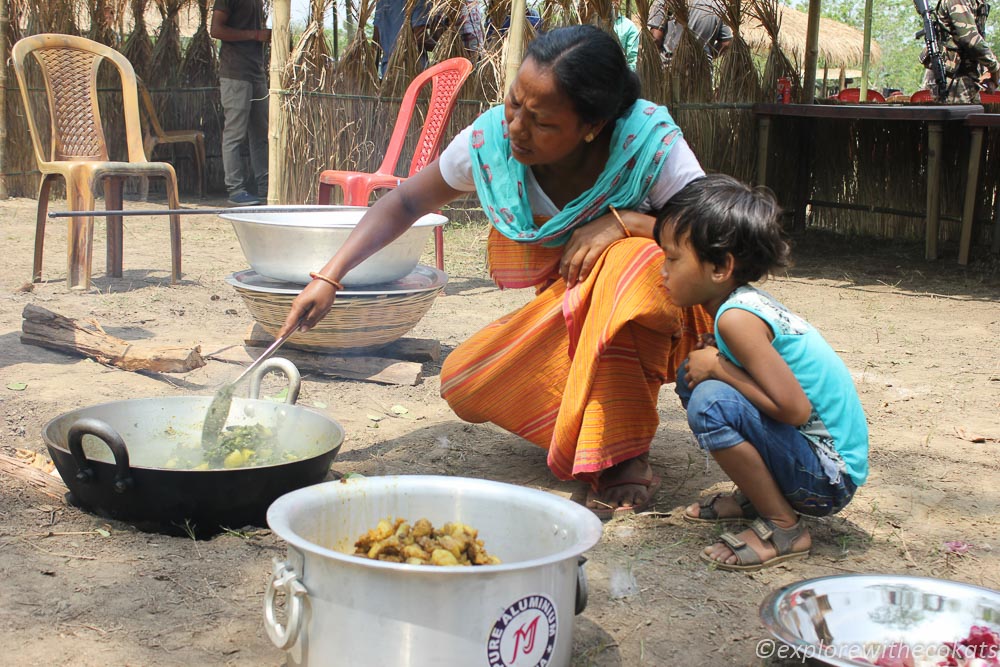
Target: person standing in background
471	29
658	22
388	21
704	21
239	25
969	62
628	36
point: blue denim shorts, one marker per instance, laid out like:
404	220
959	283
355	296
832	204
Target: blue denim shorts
721	417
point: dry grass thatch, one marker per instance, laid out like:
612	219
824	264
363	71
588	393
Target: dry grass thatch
737	81
200	66
840	45
649	68
768	14
138	47
167	58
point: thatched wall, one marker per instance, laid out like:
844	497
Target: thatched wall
343	112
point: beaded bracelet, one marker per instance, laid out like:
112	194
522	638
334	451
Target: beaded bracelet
319	276
621	222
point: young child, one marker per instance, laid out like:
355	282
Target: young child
768	397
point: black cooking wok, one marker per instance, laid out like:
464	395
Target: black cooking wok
119	459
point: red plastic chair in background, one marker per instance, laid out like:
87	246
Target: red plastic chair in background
446	79
922	96
854	95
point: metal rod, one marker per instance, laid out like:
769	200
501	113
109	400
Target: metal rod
200	211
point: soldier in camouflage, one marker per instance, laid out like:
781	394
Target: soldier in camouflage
969	61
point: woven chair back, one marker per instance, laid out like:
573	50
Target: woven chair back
69	66
446	79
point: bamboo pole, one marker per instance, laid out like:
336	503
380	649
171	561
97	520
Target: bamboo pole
277	134
515	42
866	55
812	54
4	25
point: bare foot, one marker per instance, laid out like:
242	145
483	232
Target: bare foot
721	553
615	488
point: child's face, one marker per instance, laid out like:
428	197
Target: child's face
686	278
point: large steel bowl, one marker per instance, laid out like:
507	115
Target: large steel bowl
847	620
288	246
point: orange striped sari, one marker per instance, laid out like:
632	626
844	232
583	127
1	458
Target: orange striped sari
579	372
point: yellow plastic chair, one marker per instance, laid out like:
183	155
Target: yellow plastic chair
79	152
155	136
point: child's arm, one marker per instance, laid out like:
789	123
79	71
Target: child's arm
765	379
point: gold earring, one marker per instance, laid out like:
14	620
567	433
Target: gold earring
589	137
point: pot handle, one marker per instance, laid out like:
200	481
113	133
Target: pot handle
581	587
100	429
284	578
283	366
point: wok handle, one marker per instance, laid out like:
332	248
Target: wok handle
284	578
280	365
99	429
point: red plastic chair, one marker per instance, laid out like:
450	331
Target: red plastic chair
922	96
446	79
989	98
854	95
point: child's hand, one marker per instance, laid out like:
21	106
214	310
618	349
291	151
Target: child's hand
700	365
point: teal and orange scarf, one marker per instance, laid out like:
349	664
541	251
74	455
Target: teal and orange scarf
642	139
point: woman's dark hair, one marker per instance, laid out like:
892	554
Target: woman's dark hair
720	215
590	68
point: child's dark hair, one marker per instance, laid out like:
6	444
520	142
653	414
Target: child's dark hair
723	216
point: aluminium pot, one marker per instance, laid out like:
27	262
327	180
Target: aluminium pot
348	610
286	245
115	458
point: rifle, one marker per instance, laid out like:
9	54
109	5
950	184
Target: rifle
934	57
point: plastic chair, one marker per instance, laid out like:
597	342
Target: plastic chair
155	136
446	79
79	152
854	95
922	96
989	98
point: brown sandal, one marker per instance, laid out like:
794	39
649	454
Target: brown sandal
708	514
767	531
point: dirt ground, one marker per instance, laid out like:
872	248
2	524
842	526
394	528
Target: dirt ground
921	339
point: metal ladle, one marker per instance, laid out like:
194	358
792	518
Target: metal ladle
218	409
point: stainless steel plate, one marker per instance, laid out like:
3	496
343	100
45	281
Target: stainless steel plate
838	619
421	279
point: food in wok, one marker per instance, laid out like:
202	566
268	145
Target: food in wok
422	544
237	447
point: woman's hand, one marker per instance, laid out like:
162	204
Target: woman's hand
309	306
586	245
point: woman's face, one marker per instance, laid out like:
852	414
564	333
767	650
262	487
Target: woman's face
544	127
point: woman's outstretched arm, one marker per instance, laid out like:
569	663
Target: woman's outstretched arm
389	217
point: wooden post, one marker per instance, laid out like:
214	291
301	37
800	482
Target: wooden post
812	53
4	25
866	56
515	43
969	203
277	128
935	142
